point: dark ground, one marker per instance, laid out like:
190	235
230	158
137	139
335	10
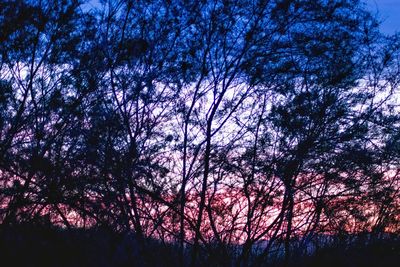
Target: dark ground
48	246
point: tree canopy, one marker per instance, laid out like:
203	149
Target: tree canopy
264	123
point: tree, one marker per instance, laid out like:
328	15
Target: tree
236	129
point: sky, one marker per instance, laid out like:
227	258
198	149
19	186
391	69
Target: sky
388	12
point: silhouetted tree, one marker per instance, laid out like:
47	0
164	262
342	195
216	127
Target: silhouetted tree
243	131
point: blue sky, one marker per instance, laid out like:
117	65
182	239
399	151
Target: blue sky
389	12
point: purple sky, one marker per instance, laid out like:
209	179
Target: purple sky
389	12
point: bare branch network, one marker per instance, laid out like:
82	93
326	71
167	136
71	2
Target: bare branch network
254	128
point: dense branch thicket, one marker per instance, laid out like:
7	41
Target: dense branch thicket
250	129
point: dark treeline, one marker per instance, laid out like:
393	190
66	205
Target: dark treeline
233	133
